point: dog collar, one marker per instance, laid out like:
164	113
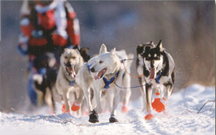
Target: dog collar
107	83
71	83
89	67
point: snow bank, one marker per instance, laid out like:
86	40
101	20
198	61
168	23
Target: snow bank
180	118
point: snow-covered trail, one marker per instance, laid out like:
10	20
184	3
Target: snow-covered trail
180	118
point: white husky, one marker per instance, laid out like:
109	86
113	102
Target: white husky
105	72
70	63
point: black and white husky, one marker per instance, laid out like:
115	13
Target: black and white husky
158	69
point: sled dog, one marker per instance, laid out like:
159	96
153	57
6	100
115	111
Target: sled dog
158	74
139	68
70	63
45	78
106	95
103	72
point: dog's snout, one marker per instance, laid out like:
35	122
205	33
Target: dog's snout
92	70
68	64
152	64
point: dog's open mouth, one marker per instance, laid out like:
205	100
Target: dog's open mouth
71	71
152	73
101	74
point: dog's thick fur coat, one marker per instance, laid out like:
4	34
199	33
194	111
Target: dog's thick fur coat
158	74
45	79
105	66
70	63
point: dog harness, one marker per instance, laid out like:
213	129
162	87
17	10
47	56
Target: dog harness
89	67
107	83
158	77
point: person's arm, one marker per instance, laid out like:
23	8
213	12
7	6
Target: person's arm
73	28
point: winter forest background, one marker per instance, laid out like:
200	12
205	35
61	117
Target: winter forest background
187	30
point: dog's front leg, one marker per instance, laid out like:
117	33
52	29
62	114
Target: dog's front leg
148	101
65	97
93	115
88	98
143	92
77	104
109	99
81	97
115	104
168	91
127	92
97	94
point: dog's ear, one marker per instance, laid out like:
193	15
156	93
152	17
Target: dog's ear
145	50
159	46
65	49
77	51
113	51
76	47
103	49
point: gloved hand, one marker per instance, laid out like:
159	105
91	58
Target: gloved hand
22	46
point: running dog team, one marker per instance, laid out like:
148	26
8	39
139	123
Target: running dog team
102	80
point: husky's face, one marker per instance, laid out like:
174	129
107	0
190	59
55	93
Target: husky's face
69	60
153	60
104	63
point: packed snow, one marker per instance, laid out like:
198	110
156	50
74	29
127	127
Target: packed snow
180	118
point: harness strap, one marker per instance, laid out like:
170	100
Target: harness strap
133	87
130	73
158	77
107	83
89	67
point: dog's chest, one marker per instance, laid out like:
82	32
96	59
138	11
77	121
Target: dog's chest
140	70
162	80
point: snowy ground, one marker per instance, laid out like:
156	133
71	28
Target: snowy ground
180	118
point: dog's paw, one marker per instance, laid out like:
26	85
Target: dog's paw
112	119
75	106
64	109
93	117
124	109
158	105
148	117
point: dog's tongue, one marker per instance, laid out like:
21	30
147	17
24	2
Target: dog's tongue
99	75
152	73
71	71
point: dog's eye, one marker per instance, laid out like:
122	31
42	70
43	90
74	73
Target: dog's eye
65	57
100	62
73	57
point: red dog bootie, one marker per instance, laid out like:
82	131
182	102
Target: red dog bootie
159	104
149	116
75	106
64	108
124	108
